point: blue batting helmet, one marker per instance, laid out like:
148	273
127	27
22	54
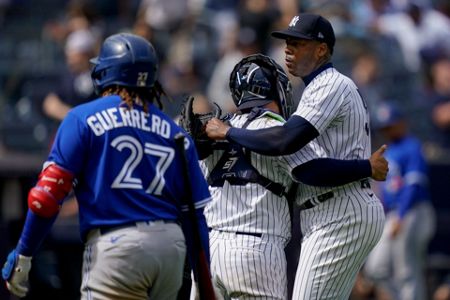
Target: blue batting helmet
387	114
125	60
258	80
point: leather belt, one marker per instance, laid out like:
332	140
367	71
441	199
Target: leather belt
311	202
238	232
108	229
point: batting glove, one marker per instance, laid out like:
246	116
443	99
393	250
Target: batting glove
15	273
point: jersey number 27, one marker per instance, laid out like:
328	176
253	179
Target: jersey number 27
125	178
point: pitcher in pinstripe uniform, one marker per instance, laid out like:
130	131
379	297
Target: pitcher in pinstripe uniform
339	225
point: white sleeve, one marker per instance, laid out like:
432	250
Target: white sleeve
311	151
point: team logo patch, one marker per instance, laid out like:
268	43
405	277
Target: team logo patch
294	21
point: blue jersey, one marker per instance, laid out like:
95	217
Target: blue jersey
125	163
407	181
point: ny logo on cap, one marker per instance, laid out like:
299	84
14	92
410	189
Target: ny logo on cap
294	21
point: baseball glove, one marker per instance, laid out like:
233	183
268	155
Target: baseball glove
194	124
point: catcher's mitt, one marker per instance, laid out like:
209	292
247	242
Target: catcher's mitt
194	124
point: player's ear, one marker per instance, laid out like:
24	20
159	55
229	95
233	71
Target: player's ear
322	50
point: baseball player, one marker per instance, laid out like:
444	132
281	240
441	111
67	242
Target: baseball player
339	225
119	152
249	216
396	264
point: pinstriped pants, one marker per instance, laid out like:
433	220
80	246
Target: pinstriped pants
338	235
248	267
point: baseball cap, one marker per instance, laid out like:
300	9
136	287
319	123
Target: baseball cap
387	114
310	27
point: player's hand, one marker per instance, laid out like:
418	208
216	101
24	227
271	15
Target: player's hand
15	273
216	129
379	164
396	228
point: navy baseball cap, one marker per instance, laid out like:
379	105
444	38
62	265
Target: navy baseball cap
387	114
310	27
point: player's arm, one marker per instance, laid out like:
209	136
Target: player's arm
274	141
415	180
44	202
336	172
200	196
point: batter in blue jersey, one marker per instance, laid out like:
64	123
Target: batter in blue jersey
119	154
397	263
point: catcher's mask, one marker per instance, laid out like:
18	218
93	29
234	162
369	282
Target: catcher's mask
125	60
258	80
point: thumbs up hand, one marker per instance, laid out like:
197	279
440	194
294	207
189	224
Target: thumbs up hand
379	164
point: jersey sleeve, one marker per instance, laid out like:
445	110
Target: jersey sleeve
415	179
322	104
199	186
311	151
69	146
415	167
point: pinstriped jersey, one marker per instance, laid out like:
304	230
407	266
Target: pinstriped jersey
251	207
332	104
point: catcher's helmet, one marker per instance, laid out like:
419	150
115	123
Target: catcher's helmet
258	80
125	60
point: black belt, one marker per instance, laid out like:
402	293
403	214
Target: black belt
108	229
239	232
310	203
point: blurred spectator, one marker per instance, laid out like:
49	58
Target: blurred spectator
365	13
439	97
417	28
258	16
164	17
218	91
75	86
78	15
367	75
397	263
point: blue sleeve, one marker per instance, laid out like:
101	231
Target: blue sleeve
331	172
406	199
201	237
193	222
34	231
277	140
199	186
69	146
415	179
